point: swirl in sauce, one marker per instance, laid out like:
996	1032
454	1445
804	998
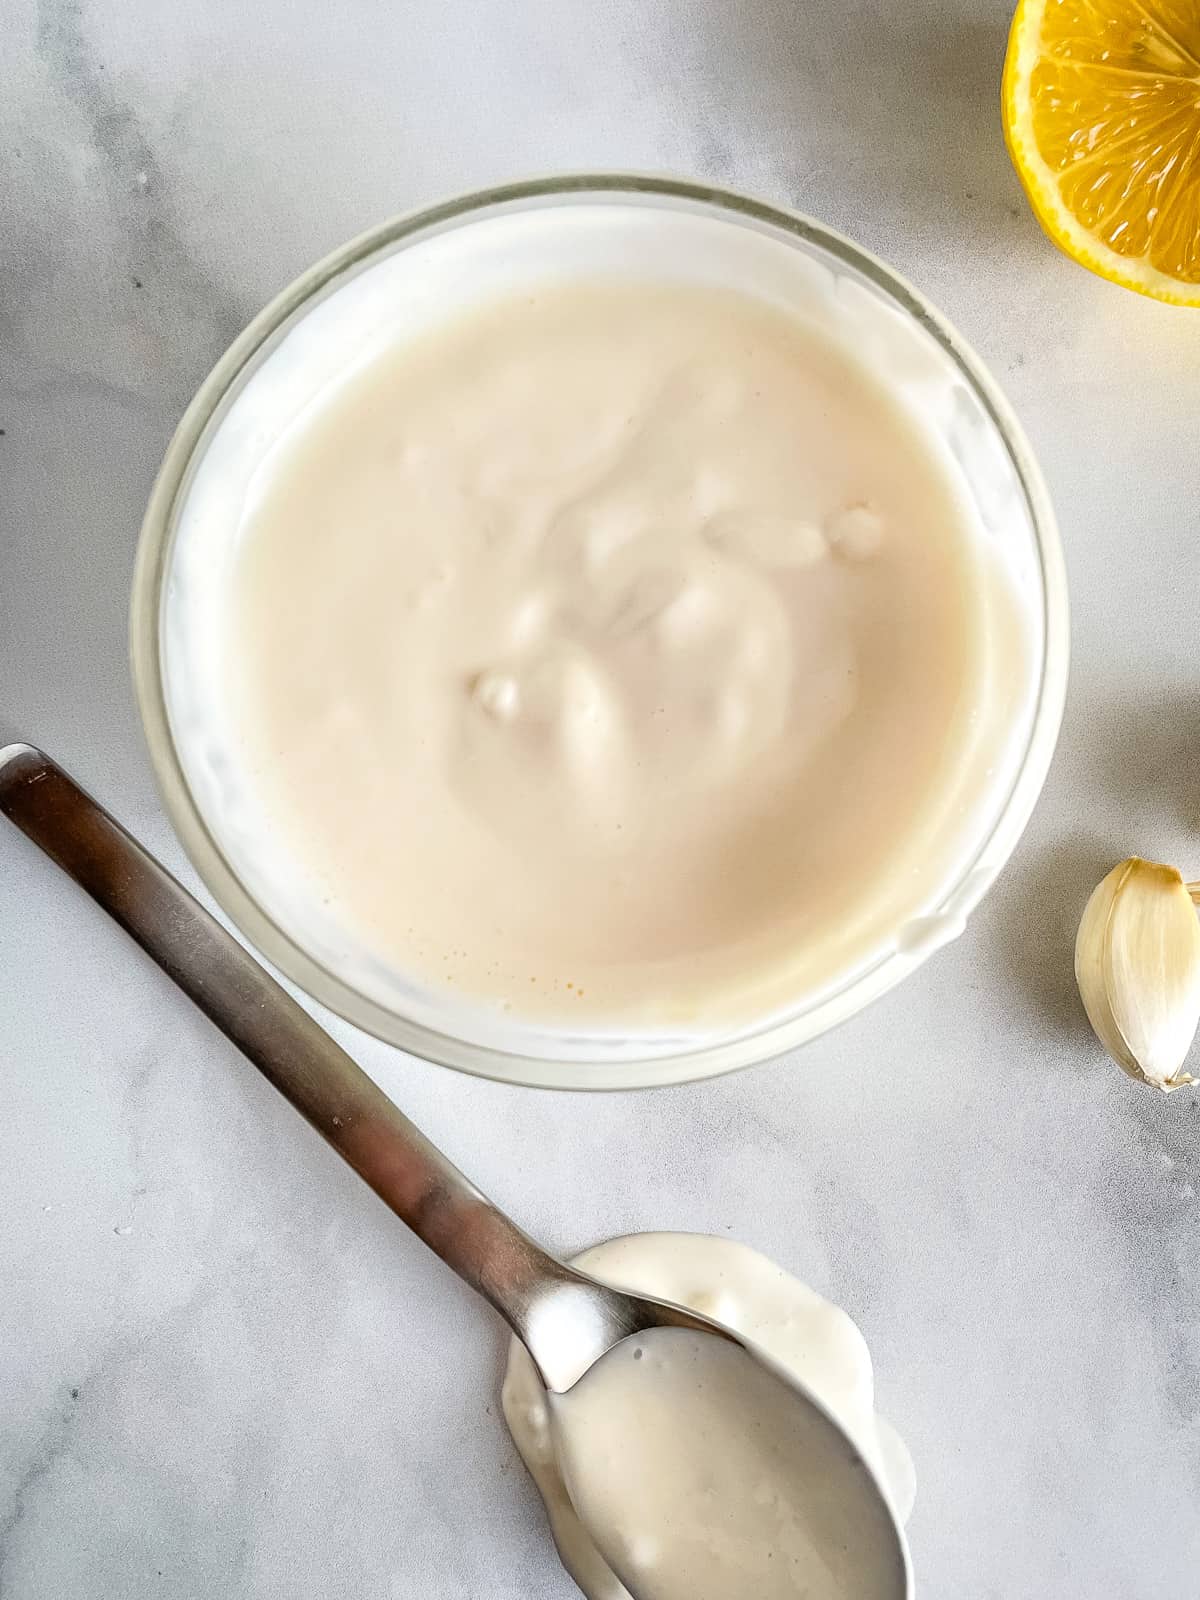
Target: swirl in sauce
609	653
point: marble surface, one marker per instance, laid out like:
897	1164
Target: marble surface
224	1370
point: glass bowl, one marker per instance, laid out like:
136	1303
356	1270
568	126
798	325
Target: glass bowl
422	265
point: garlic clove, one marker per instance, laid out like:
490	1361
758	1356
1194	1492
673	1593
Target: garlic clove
1137	964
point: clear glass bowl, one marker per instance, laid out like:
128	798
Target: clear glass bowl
605	220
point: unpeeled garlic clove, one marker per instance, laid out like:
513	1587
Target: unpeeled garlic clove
1137	963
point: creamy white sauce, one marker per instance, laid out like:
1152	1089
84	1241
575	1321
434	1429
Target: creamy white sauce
643	1475
612	654
372	312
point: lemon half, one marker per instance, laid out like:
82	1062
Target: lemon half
1101	102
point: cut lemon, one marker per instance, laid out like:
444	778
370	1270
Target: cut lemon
1101	104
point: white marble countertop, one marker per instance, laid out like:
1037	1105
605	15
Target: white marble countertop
224	1369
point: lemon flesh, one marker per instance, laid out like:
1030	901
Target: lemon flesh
1101	103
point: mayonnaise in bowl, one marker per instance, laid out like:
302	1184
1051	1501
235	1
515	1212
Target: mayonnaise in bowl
600	640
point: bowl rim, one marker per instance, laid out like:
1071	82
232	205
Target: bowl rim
774	1037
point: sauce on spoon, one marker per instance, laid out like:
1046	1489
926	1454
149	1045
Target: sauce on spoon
691	1482
702	1476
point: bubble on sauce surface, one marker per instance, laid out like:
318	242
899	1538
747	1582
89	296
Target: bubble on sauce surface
856	532
497	693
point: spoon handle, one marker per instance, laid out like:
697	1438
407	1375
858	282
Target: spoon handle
344	1105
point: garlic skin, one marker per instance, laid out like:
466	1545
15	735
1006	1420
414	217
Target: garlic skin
1137	964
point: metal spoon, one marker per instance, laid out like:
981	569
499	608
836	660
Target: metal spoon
565	1319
